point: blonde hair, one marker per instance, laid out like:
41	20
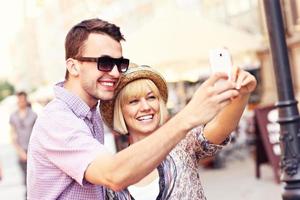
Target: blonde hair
137	88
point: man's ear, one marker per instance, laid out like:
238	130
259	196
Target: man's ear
72	67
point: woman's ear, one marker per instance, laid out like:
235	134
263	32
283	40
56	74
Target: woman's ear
72	67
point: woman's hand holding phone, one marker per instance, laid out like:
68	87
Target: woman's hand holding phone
220	61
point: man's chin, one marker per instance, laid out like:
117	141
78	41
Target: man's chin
106	97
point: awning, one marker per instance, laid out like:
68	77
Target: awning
177	43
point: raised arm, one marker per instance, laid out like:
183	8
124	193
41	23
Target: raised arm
217	130
136	161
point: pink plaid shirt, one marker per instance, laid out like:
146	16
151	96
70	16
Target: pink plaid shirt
66	138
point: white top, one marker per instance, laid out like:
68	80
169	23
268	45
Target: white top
147	192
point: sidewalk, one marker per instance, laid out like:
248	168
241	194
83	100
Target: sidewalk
237	181
11	186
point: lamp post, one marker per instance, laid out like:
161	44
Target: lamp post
289	119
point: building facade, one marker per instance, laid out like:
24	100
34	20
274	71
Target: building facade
291	16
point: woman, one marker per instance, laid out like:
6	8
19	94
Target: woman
140	108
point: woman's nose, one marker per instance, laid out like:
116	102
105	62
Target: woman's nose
144	104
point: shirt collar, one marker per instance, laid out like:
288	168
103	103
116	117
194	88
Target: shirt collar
74	102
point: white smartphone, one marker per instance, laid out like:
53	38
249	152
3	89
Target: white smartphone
220	61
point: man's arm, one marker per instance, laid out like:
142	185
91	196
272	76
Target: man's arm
20	151
138	160
133	163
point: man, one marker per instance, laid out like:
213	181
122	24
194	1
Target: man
67	159
22	121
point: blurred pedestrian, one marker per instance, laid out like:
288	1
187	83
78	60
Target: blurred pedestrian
140	108
67	158
22	121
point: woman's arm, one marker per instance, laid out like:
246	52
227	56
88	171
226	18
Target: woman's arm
202	142
218	129
198	147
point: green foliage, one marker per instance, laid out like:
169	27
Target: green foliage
6	89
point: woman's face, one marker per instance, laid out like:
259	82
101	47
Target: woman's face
142	114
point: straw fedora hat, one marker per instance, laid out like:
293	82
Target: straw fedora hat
133	73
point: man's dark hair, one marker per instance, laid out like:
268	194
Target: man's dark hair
79	33
21	93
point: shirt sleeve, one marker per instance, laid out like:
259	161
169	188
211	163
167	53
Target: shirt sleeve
34	116
69	144
199	147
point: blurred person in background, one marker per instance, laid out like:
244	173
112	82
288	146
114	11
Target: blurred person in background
140	108
21	122
67	158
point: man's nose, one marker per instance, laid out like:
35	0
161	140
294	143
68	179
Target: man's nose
115	72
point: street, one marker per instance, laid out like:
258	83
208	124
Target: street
236	181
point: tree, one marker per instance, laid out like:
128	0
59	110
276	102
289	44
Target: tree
6	89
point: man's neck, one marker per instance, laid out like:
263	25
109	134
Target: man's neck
73	87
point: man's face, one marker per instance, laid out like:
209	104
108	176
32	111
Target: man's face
22	101
96	84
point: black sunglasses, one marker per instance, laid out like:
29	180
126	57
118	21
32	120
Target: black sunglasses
107	63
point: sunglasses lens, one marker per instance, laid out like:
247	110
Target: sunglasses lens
105	64
123	66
